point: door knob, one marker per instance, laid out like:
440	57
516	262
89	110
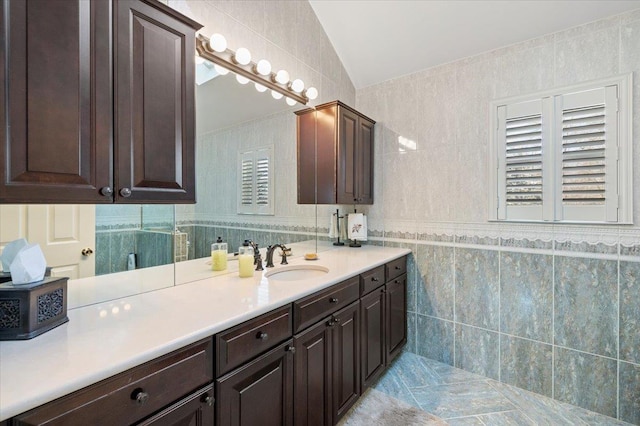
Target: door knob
87	251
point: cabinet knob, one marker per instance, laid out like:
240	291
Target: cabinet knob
125	192
375	279
106	191
397	268
207	399
333	300
139	396
262	335
291	349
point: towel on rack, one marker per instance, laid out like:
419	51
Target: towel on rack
333	228
357	227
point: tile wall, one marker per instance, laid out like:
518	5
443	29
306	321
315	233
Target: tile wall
553	309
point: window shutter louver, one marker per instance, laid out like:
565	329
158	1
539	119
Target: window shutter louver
256	182
587	172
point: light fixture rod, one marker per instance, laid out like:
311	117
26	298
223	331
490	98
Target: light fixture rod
225	59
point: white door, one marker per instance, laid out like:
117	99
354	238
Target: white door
62	231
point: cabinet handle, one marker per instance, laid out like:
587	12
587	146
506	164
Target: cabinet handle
397	268
333	300
262	335
207	399
331	323
106	191
291	349
355	199
125	192
139	396
375	279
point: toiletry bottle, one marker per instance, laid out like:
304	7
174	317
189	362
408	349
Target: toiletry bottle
219	255
245	261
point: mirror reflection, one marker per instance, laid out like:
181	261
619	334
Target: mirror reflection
235	124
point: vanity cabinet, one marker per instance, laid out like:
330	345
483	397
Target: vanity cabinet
163	391
327	368
335	155
384	318
98	105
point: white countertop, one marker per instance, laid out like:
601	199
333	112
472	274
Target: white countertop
107	338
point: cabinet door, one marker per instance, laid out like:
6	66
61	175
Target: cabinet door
347	157
312	399
258	393
196	409
373	336
396	316
55	101
364	165
154	105
345	342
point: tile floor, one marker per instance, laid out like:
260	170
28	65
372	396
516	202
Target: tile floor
449	396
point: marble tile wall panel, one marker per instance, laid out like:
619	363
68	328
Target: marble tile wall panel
629	392
477	351
526	364
122	243
585	380
526	295
411	332
586	304
103	253
435	339
630	312
435	281
477	288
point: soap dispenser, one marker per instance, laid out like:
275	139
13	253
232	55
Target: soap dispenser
219	255
245	260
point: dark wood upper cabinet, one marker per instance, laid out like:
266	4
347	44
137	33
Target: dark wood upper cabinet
98	101
335	155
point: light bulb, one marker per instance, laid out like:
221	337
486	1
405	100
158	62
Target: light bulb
218	43
260	88
263	67
242	56
312	93
290	101
220	69
276	95
242	79
199	60
297	85
282	77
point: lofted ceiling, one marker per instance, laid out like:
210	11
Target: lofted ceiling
378	40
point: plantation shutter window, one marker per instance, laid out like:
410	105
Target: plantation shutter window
564	155
255	183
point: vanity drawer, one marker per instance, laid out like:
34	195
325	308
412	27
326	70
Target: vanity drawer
313	308
251	338
133	395
395	268
371	280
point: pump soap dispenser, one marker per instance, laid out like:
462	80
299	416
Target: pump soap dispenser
219	255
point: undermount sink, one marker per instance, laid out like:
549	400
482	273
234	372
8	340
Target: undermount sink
296	272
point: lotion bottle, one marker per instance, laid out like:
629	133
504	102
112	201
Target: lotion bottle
219	255
245	261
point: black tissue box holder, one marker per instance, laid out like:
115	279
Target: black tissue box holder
28	310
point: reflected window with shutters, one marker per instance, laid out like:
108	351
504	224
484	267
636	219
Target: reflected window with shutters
563	155
255	181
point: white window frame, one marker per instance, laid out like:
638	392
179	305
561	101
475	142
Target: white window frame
618	208
252	205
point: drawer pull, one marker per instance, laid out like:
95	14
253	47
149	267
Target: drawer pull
139	396
333	300
262	335
397	268
207	399
375	279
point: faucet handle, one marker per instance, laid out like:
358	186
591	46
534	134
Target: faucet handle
284	254
258	262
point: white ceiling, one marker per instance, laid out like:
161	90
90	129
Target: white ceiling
378	40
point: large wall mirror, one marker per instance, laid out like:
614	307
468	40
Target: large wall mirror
232	120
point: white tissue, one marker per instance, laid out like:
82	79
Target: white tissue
357	227
10	251
28	266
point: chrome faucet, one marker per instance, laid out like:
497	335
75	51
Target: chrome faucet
270	251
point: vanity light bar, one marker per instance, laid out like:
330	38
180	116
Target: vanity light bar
227	59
